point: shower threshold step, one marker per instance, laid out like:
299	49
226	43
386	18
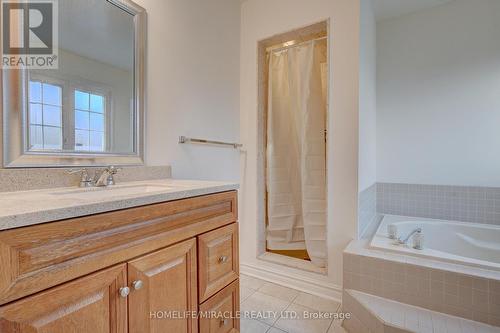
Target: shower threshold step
375	314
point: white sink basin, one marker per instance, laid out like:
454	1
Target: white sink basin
109	191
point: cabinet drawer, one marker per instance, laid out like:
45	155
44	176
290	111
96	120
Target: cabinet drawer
223	307
37	257
218	260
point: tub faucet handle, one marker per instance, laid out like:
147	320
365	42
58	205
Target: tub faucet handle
392	231
405	241
418	241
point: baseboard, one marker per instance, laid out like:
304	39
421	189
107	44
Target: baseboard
291	278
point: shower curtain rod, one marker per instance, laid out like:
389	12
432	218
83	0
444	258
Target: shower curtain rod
295	45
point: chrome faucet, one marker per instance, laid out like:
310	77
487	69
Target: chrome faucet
405	241
105	178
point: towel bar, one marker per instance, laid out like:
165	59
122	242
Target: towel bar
183	139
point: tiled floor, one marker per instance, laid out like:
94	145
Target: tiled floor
258	297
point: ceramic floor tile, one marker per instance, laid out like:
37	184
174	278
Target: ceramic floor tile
284	293
316	302
245	292
263	307
301	324
253	326
336	327
251	282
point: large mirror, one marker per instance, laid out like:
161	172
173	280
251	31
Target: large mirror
90	109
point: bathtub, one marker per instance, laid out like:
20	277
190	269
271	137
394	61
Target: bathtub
458	242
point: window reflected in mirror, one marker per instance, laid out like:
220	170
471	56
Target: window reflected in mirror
89	121
45	116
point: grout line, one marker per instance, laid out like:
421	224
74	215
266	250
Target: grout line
296	296
330	326
274	324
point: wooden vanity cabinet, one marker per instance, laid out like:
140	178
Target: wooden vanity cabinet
78	276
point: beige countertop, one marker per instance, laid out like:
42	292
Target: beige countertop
23	208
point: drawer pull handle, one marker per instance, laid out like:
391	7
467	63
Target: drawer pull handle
224	322
138	284
124	291
223	259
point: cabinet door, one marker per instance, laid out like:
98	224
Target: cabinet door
89	304
163	290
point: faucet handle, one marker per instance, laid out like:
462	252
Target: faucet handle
113	170
83	171
108	172
85	180
73	171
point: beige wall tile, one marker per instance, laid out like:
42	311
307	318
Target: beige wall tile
480	283
465	296
451	289
494	286
437	275
480	300
465	281
451	278
494	320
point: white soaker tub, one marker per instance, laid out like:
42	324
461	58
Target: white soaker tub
459	242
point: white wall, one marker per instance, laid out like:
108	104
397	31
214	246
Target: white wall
262	19
193	85
367	97
438	103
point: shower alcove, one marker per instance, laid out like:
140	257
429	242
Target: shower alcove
292	160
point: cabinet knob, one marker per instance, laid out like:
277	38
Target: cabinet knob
224	322
124	291
138	284
223	259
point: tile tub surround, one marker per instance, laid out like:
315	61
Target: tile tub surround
23	208
367	210
474	296
456	203
42	178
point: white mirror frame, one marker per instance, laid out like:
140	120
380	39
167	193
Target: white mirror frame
13	93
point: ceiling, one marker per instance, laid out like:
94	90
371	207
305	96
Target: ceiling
385	9
98	30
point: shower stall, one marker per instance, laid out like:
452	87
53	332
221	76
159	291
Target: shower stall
295	147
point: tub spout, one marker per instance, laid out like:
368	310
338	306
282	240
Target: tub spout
405	241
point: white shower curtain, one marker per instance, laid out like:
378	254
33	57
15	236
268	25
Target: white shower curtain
296	155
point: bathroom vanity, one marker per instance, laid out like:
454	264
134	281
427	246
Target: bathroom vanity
159	259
